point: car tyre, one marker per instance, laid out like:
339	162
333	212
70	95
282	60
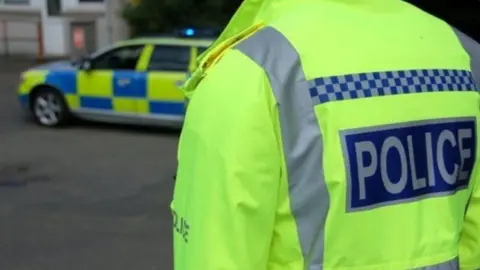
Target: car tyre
49	108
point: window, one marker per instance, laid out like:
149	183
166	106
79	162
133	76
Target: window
54	7
15	2
201	50
173	58
124	58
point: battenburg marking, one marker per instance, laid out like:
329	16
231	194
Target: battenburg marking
401	163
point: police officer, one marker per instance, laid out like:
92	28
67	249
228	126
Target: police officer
331	134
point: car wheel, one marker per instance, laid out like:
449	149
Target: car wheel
49	108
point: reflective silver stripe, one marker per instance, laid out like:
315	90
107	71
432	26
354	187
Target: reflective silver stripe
302	140
450	265
473	49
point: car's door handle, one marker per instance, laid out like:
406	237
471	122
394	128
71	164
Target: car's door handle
123	81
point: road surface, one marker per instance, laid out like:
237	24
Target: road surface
89	196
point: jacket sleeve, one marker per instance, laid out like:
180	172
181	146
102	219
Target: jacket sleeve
228	174
472	48
470	238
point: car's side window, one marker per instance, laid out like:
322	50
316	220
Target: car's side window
169	58
201	50
124	58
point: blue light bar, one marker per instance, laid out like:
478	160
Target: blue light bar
189	32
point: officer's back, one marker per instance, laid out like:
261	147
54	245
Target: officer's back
378	117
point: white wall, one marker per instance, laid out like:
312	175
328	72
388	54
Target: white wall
101	24
55	30
103	39
38	3
70	4
55	36
118	27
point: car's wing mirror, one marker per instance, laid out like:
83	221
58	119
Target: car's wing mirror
86	64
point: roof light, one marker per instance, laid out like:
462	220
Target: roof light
189	32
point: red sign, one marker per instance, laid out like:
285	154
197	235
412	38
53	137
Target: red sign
79	37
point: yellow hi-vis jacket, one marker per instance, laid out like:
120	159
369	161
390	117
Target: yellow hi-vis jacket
331	134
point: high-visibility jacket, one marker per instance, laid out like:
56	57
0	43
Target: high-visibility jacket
331	134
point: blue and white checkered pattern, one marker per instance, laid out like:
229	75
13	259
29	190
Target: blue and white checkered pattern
353	86
67	82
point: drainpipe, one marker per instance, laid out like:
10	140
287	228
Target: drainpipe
5	37
110	16
41	40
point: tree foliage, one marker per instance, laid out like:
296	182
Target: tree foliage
157	16
460	14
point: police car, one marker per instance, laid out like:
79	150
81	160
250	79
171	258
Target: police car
135	81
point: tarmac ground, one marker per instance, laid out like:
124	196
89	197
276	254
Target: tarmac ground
86	197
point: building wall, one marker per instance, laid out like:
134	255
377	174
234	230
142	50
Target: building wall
55	36
53	31
56	29
75	3
119	29
21	37
69	5
2	38
102	33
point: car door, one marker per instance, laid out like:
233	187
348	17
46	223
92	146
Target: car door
113	84
167	71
